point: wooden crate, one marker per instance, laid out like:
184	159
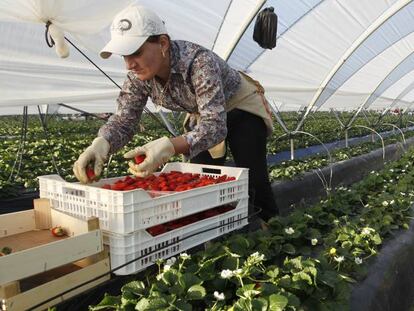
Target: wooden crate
42	266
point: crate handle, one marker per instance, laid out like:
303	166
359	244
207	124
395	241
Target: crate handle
74	192
207	170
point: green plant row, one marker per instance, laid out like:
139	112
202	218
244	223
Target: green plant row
308	260
291	169
68	138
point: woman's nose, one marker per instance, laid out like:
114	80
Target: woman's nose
129	62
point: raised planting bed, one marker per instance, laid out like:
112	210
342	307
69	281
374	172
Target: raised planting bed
308	260
311	186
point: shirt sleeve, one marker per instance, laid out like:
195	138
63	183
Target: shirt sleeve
121	127
208	87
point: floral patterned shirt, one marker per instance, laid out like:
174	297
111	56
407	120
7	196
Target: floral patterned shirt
200	83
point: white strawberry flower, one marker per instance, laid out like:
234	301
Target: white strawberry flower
339	258
289	230
367	231
237	271
171	261
384	203
226	274
166	268
257	256
219	296
185	256
358	260
314	242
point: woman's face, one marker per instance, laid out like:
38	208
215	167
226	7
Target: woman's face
147	62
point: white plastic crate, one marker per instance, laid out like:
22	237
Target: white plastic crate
128	211
124	248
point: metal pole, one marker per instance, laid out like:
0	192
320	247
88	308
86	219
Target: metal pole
292	149
346	138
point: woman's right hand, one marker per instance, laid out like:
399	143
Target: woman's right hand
96	153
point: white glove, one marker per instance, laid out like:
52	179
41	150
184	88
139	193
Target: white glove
156	152
96	153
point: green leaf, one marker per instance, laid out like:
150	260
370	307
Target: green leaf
134	288
183	306
346	245
107	302
187	280
242	305
342	237
268	288
239	245
285	281
289	249
347	278
259	304
176	289
377	239
277	302
302	276
155	304
329	278
273	273
196	292
170	277
247	291
143	304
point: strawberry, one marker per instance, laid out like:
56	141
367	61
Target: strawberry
6	250
91	174
139	158
58	231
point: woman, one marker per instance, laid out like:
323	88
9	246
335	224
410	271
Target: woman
222	105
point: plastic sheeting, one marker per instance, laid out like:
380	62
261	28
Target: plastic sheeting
324	58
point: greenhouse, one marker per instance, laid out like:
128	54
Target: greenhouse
207	155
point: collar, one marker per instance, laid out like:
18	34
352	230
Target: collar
178	65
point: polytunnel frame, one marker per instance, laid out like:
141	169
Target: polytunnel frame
400	96
388	78
363	38
282	33
232	48
246	25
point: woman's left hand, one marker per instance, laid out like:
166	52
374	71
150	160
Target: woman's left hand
156	153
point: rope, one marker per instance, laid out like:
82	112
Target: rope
22	144
46	132
50	43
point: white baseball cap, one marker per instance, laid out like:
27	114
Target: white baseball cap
130	29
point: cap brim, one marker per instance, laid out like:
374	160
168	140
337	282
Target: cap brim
122	45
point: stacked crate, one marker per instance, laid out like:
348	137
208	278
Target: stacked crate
43	270
126	216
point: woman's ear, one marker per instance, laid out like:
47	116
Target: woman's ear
164	42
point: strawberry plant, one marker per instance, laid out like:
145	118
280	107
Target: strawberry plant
305	261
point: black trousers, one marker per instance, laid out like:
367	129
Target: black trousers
246	138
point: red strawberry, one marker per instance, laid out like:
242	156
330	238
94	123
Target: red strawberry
90	173
139	158
58	231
